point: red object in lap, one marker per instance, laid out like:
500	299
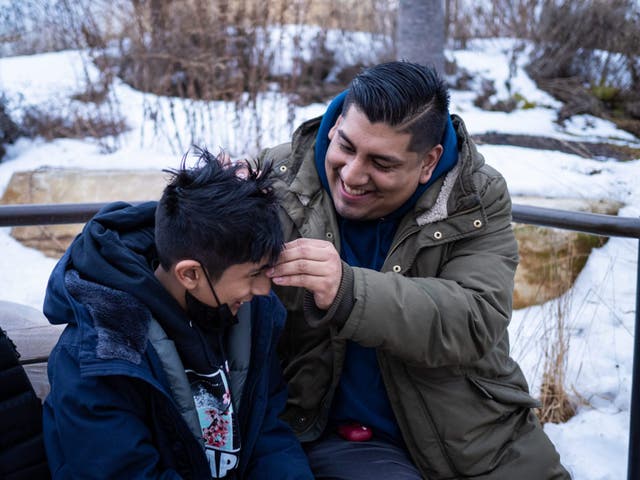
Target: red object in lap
354	432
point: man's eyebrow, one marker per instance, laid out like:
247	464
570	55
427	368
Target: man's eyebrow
384	158
344	136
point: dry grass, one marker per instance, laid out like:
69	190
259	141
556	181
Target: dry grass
556	404
550	262
563	261
40	122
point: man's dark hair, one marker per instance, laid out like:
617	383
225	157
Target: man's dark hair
220	215
408	96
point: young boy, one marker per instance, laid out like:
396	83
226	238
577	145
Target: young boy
167	367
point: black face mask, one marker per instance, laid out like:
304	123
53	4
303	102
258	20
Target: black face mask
205	316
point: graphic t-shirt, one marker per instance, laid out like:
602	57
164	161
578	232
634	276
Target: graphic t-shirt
218	422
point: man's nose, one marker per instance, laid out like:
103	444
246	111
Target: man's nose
353	172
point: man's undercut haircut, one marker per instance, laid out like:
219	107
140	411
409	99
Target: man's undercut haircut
220	215
407	96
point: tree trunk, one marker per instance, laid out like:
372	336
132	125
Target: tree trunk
420	32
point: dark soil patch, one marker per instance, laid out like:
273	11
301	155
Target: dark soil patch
584	149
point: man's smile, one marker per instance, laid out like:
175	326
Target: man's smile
350	191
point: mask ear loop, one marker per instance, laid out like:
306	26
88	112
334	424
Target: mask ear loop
206	275
213	290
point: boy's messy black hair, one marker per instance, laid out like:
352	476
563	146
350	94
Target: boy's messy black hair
219	214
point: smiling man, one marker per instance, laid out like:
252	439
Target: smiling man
167	366
398	278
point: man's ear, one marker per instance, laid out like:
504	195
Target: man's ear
335	127
429	162
188	273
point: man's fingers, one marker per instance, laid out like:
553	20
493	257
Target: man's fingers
299	266
308	257
311	264
320	285
309	249
304	281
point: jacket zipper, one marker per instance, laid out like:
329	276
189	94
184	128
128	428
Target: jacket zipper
395	246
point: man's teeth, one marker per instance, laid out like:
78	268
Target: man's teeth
353	191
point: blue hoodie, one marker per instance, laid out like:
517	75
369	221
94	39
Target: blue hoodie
112	411
361	395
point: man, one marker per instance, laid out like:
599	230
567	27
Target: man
167	367
398	279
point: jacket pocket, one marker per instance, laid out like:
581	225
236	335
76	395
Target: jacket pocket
503	393
476	420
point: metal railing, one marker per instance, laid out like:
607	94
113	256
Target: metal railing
611	226
596	224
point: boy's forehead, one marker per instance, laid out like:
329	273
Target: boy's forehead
264	263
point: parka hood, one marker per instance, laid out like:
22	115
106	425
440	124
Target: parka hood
106	279
114	250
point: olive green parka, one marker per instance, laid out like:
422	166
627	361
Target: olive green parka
437	315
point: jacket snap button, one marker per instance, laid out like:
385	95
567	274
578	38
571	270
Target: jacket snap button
477	223
437	235
302	420
283	168
397	268
329	235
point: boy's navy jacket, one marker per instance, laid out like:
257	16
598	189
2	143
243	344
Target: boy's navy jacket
115	409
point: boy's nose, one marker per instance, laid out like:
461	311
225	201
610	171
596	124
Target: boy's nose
261	285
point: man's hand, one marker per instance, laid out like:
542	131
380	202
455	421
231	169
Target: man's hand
311	264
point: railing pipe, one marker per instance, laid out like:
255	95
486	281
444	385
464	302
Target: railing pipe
47	214
594	223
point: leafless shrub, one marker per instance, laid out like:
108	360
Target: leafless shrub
584	38
587	56
193	53
31	26
38	26
49	122
9	131
467	19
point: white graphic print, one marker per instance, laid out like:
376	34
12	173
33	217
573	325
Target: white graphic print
217	420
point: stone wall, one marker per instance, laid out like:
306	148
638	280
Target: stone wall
551	258
56	185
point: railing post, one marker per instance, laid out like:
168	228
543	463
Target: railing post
633	464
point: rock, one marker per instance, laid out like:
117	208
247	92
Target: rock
551	258
58	185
